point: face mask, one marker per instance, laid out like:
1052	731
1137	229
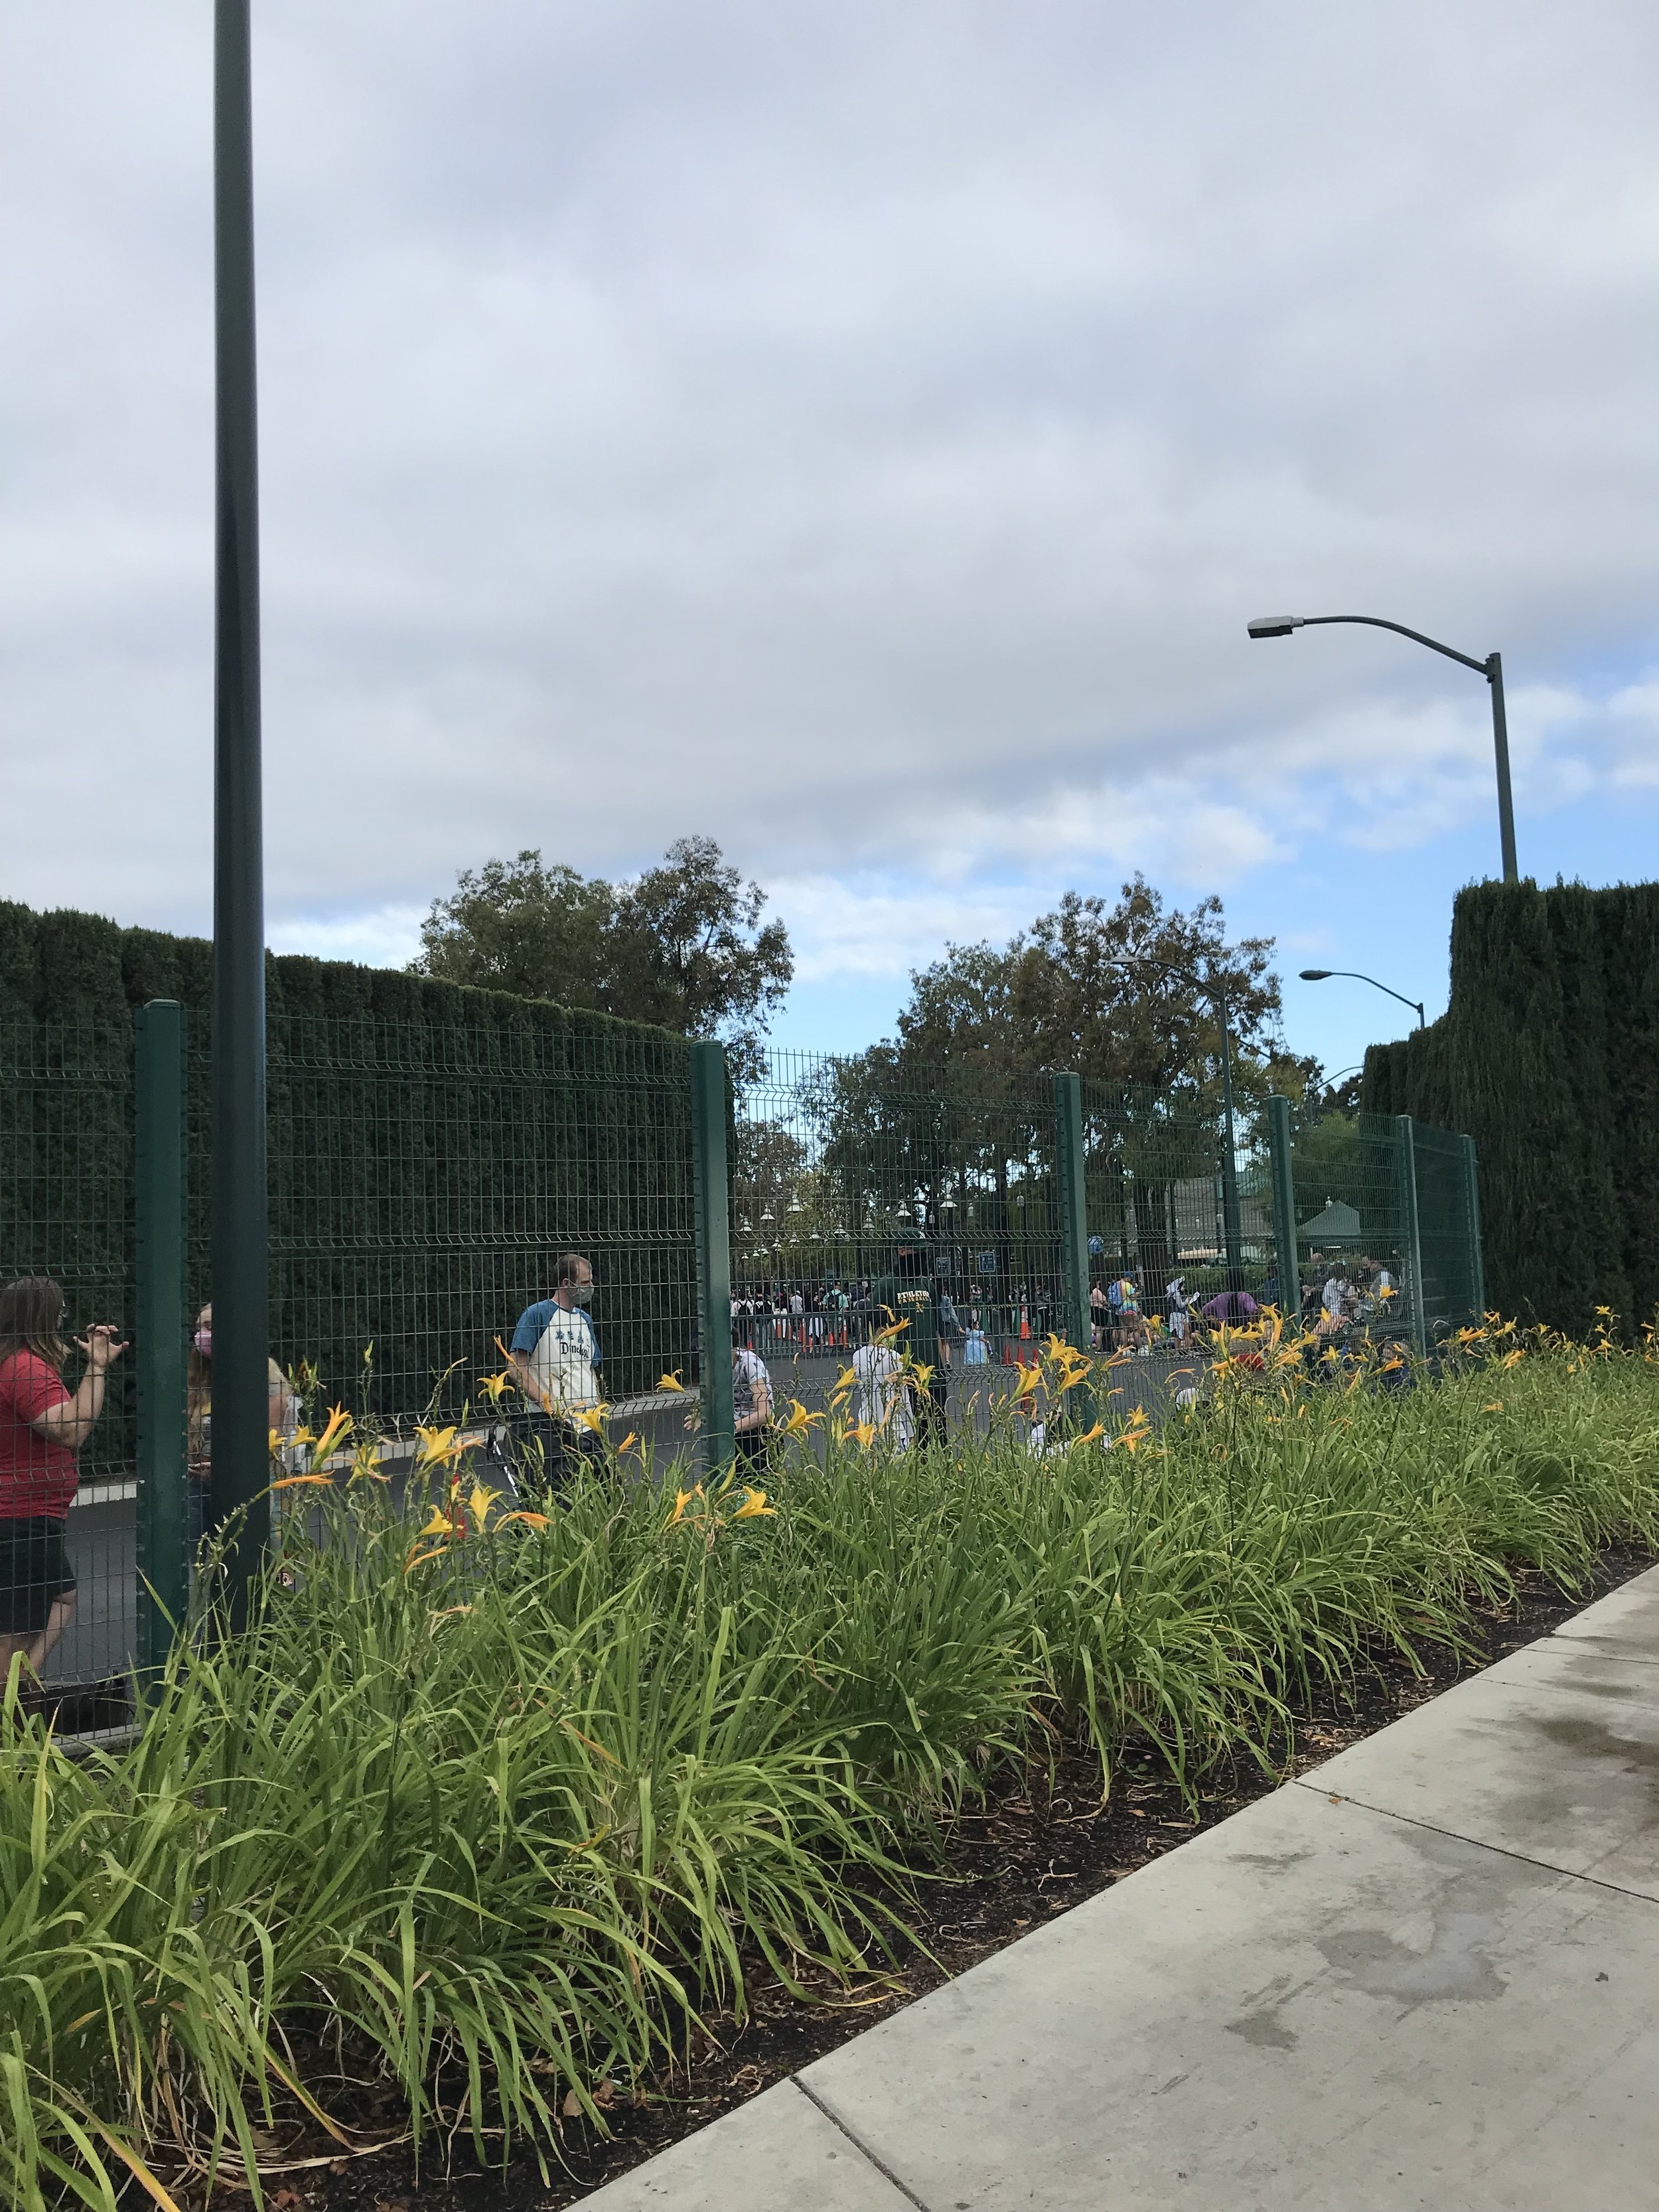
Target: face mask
581	1294
204	1342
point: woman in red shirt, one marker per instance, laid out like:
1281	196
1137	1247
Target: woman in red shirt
42	1426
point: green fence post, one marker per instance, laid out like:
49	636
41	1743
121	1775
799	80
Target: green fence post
711	1197
1471	1217
1284	1197
1411	1237
161	1321
1073	1211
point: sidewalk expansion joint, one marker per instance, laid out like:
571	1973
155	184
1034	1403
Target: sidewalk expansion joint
862	2148
1475	1843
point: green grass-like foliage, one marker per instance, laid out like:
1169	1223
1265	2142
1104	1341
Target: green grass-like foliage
486	1828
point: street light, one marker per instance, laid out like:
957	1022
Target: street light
1231	1230
1491	668
241	1417
1324	975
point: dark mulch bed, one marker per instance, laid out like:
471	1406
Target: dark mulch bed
1025	1857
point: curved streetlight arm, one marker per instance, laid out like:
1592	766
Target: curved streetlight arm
1376	622
1491	668
1354	976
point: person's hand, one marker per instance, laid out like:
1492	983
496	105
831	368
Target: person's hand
99	1346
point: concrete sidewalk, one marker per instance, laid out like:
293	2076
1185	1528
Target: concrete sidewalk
1425	1975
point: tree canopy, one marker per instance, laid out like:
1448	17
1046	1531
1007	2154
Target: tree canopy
1124	994
683	944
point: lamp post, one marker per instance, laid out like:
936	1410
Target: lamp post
1231	1230
241	1451
1324	975
1491	668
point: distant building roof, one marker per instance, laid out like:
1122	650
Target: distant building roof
1338	1223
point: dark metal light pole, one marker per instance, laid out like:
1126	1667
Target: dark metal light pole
1491	668
1324	975
241	1455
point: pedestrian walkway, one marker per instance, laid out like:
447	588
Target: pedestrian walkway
1425	1975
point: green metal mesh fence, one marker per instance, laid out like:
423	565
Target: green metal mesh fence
426	1181
861	1196
1394	1248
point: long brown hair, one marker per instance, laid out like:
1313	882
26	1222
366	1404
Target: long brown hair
32	1319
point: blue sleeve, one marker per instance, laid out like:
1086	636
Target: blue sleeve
596	1356
532	1324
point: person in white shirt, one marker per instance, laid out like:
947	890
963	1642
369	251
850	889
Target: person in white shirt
752	1405
882	1399
555	1360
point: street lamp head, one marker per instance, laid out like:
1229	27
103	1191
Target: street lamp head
1315	975
1275	625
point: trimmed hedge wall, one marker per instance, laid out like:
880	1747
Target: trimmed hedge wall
70	967
1549	1056
433	1148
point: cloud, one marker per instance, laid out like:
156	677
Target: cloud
860	434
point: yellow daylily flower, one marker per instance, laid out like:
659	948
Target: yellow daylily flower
632	1437
478	1504
922	1373
289	1480
670	1382
682	1499
799	1421
1029	1379
529	1519
886	1335
437	1446
495	1386
865	1433
1496	1407
753	1507
589	1417
1090	1435
1510	1358
440	1524
340	1426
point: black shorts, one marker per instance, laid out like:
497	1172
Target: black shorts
35	1571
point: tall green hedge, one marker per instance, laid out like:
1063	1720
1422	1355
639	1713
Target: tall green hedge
1549	1056
433	1149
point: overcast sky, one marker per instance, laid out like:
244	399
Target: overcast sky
859	432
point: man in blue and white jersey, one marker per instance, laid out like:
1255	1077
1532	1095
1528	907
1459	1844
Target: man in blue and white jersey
555	1361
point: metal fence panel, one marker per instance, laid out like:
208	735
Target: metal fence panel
424	1182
